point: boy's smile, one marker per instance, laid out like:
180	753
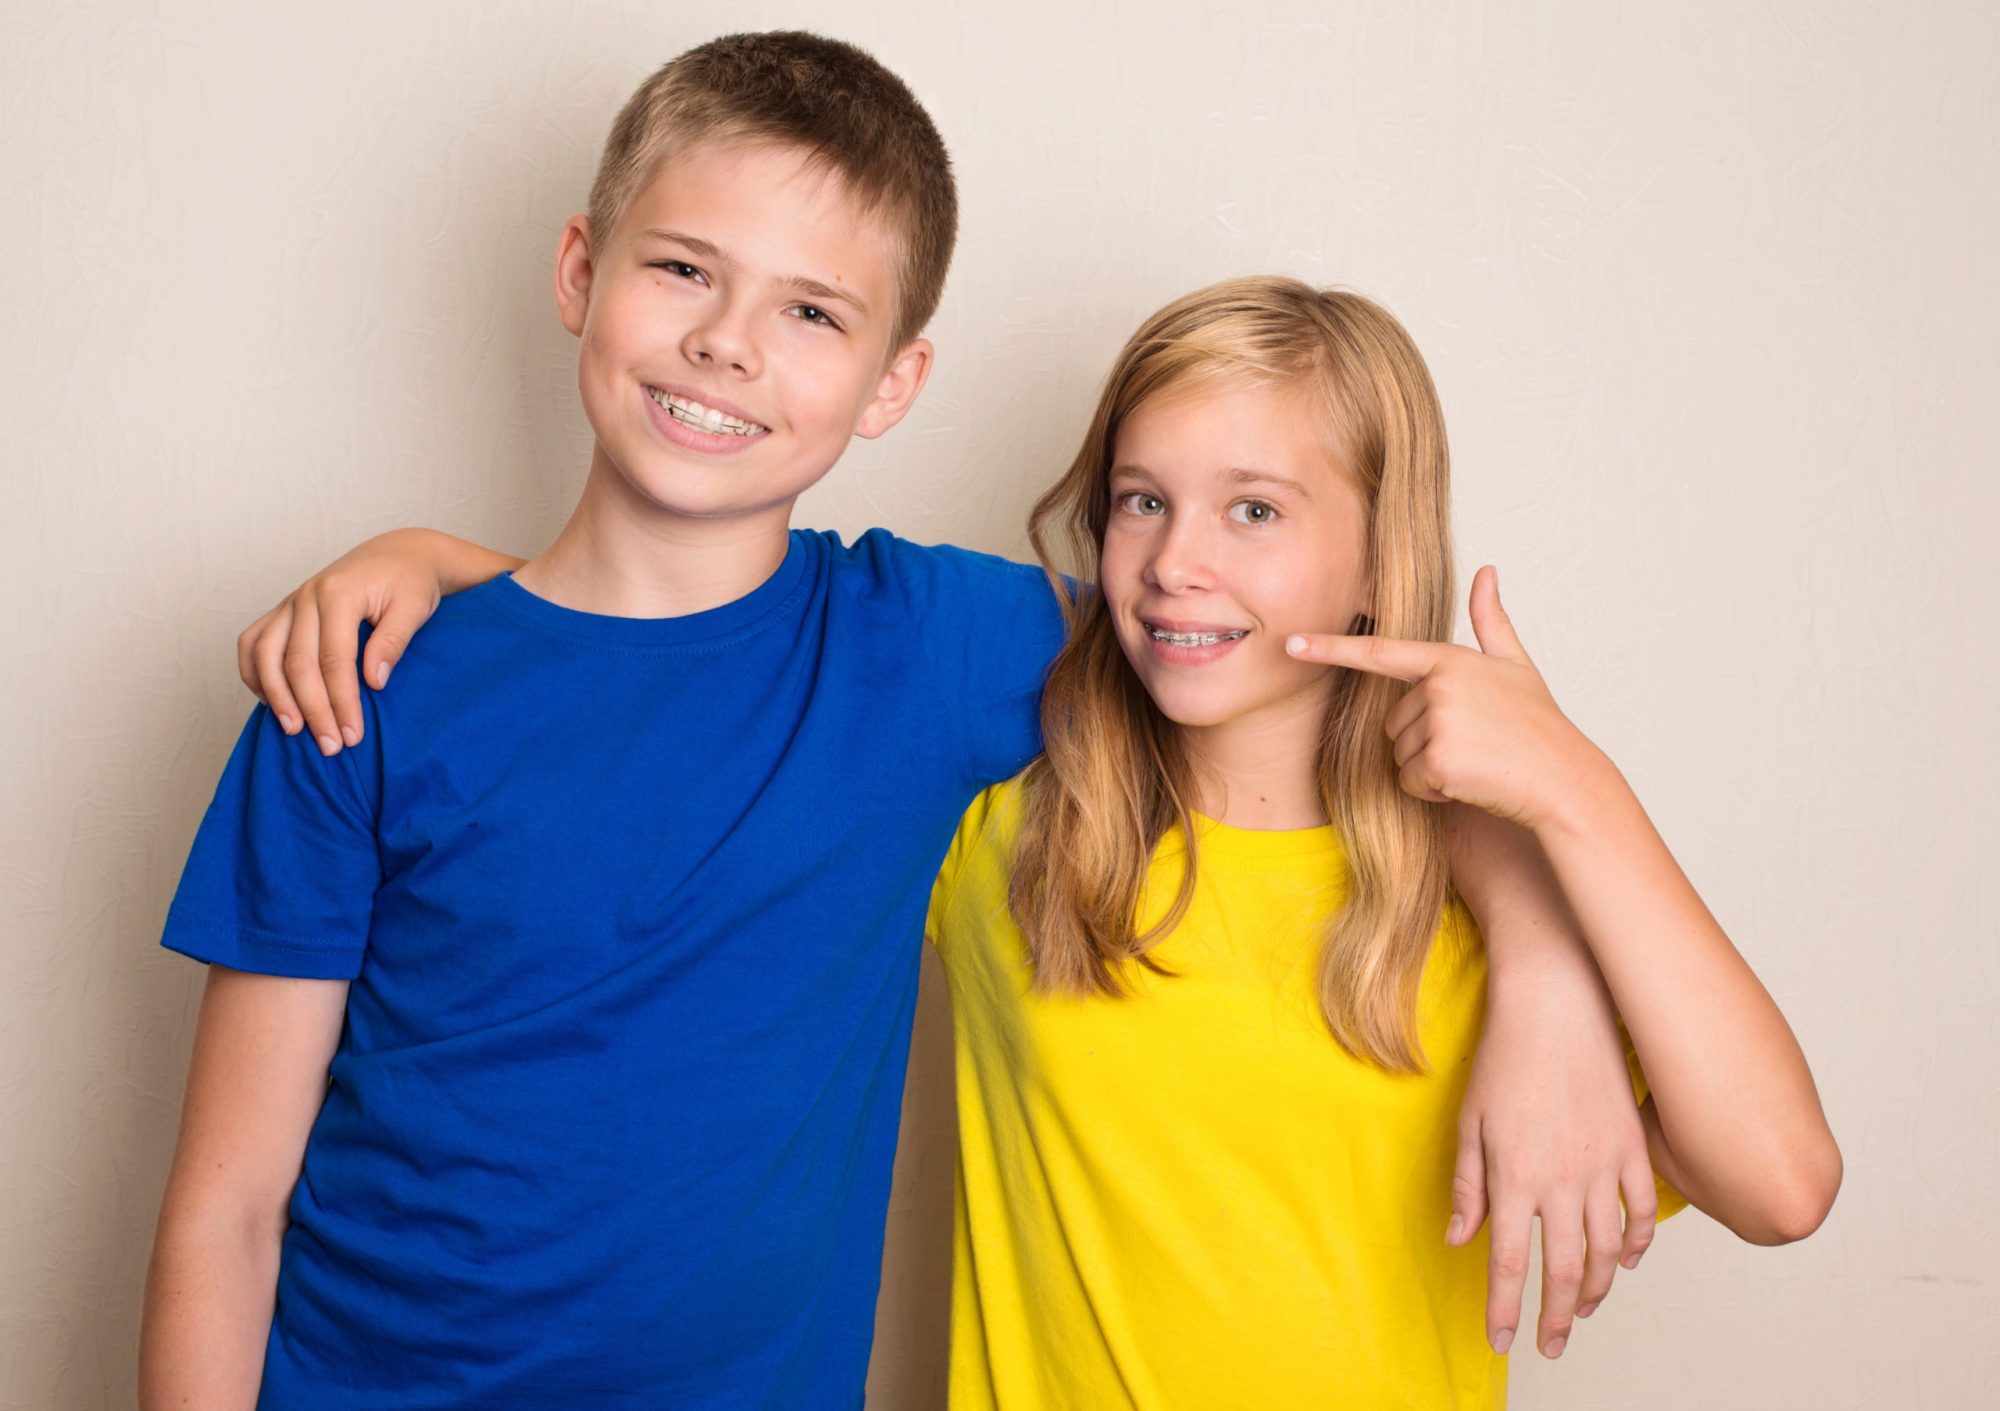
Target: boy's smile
734	332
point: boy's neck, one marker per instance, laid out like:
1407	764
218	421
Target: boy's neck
621	555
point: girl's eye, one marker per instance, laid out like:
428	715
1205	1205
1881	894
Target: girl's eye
1139	502
680	269
1253	512
813	313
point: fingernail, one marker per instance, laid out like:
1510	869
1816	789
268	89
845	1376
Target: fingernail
1454	1229
381	674
1295	645
350	734
289	724
1503	1340
1587	1310
1556	1346
328	745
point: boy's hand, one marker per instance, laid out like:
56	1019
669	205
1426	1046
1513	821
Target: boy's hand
1550	1128
298	658
1476	727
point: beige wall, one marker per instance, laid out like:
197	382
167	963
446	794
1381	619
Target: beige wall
1710	293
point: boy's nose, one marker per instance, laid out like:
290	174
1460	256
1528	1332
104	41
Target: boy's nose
721	342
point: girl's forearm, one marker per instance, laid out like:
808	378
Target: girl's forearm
460	563
1736	1110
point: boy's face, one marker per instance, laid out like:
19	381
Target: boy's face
735	331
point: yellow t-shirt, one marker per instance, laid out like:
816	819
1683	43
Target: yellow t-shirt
1190	1196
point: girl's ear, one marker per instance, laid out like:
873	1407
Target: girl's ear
576	265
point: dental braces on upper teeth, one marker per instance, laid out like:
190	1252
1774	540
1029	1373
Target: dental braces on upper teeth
1196	639
689	412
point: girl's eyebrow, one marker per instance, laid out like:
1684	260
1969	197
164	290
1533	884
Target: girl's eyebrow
1250	475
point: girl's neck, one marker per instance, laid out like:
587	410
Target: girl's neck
1261	771
622	555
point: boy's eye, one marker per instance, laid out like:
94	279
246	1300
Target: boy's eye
680	269
1139	502
813	313
1253	512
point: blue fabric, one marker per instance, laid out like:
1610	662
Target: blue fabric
632	910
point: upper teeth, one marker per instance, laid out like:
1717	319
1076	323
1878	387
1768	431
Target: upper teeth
1195	639
703	418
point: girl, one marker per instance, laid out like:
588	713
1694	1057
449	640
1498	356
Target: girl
1214	1001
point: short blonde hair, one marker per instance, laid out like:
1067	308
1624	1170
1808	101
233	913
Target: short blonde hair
836	104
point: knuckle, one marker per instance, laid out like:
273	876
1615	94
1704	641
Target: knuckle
1566	1271
1510	1265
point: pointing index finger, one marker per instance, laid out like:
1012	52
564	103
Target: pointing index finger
1384	656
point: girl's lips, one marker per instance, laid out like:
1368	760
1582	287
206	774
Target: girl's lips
712	443
1170	655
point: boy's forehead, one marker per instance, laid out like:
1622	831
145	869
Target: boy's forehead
752	199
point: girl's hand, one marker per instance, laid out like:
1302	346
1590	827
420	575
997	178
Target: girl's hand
1549	1128
1478	727
298	658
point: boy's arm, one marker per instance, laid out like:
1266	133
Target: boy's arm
255	1085
298	658
1549	1126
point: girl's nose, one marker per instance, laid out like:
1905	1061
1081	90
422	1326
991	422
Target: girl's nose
1181	561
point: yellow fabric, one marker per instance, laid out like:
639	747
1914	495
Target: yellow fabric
1190	1197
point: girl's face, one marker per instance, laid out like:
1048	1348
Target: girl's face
1231	528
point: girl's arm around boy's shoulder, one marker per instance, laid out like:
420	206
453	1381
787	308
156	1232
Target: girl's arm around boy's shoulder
300	658
255	1084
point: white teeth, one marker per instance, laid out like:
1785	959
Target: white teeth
1196	639
692	413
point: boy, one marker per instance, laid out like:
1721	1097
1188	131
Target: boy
604	931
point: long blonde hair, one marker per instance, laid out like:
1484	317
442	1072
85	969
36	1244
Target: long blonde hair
1115	776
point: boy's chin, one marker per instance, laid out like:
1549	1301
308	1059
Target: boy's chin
704	497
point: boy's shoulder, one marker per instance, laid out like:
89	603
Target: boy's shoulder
934	581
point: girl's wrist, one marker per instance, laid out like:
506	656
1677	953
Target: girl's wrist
1589	792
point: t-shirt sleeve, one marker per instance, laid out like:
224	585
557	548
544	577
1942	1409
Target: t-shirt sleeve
990	628
962	856
282	876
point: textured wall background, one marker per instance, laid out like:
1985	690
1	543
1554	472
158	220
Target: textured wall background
1710	293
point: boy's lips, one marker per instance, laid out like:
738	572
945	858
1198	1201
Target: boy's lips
701	422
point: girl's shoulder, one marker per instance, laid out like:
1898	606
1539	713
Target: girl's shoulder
981	852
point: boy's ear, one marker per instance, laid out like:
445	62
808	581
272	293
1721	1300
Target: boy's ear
897	391
576	262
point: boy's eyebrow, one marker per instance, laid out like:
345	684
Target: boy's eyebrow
709	250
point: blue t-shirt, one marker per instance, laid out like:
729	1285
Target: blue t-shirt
632	910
